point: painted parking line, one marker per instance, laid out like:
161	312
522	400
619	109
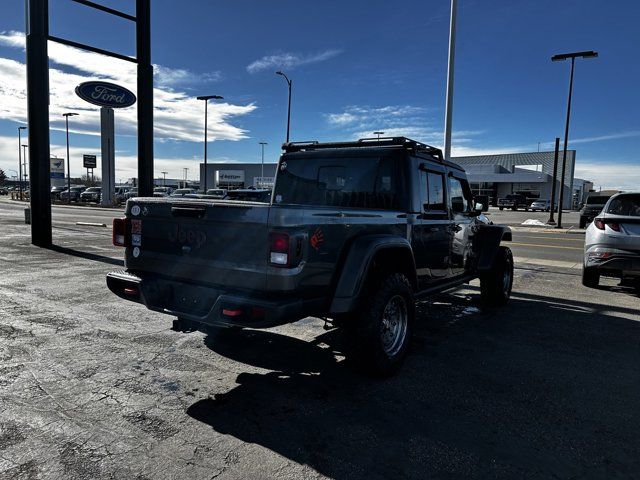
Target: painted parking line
517	261
564	239
546	246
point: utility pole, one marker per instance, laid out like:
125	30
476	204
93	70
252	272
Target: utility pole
289	83
20	160
206	99
66	119
262	169
557	58
551	220
164	179
448	114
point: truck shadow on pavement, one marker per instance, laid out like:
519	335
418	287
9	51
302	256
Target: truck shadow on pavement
540	388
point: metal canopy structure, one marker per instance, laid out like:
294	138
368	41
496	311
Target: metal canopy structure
38	104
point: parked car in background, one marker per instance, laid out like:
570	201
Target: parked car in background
514	201
162	191
133	192
4	191
612	241
593	206
249	195
542	205
181	192
76	191
91	194
120	194
217	192
56	191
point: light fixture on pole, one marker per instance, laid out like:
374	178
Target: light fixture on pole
558	58
262	168
378	134
289	83
66	118
20	160
206	99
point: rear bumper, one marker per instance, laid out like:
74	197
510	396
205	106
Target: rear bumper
613	260
207	305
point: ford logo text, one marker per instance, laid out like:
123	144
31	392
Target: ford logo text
105	94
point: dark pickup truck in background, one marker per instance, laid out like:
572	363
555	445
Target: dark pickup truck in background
355	233
514	201
591	209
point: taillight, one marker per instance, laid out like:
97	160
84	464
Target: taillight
599	223
614	226
279	249
120	232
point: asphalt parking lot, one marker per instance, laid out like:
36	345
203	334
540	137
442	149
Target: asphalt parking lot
94	387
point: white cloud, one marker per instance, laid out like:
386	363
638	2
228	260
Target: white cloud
289	60
177	115
415	122
619	176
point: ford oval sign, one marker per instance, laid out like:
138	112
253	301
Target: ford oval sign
106	94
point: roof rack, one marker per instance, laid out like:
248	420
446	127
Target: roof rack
403	142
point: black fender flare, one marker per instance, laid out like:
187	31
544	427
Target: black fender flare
488	239
358	264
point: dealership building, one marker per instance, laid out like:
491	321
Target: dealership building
492	175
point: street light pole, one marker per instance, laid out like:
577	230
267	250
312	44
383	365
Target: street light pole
262	168
24	168
378	134
206	99
164	179
66	118
557	58
448	113
289	83
20	160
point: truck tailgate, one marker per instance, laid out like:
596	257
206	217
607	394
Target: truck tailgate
202	242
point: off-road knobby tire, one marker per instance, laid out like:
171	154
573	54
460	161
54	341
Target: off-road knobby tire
365	341
493	290
590	277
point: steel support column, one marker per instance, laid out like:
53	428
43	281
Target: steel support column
38	113
145	98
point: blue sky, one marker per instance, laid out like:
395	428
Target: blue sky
357	66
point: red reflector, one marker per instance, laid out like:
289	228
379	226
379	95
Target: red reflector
599	224
257	312
130	291
119	232
614	226
231	313
279	242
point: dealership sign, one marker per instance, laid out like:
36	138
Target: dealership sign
89	161
106	94
263	182
229	176
57	167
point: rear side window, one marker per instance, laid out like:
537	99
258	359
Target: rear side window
628	205
433	193
364	182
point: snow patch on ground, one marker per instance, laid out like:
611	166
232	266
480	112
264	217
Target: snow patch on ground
533	222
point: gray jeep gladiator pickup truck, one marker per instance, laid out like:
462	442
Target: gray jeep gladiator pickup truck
355	233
